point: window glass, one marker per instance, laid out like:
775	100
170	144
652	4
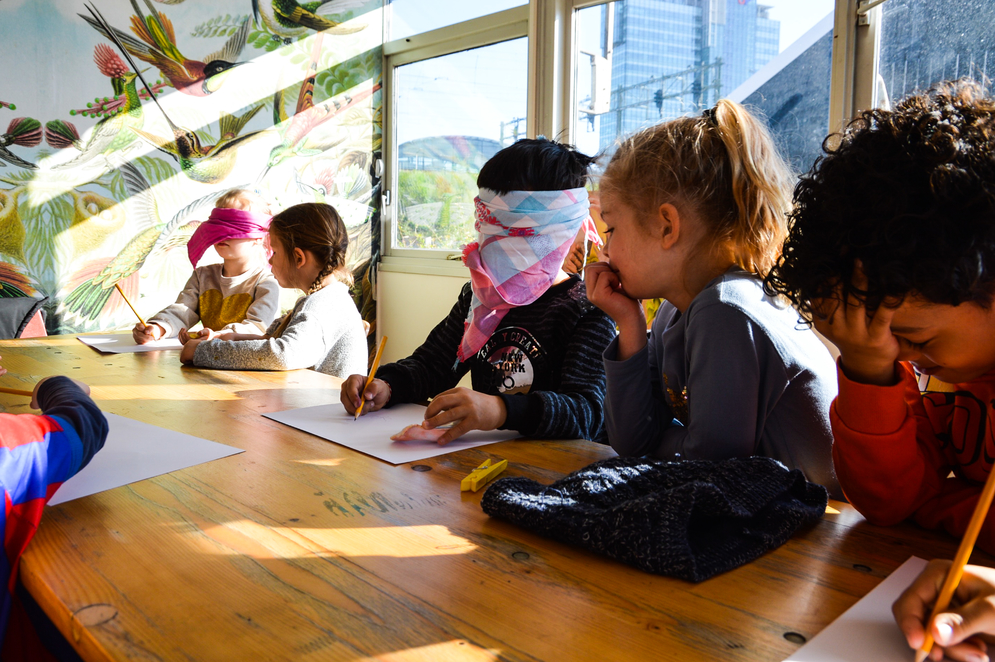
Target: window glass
452	114
408	17
926	41
641	62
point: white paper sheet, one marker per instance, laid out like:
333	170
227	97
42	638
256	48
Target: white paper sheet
123	343
867	630
135	451
371	433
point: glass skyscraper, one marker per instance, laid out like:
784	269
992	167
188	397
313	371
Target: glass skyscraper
672	57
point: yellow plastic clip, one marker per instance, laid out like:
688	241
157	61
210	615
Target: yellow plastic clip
482	475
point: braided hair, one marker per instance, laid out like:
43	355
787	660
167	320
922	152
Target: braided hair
318	228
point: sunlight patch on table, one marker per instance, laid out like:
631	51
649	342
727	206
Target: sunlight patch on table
249	538
161	392
458	649
323	461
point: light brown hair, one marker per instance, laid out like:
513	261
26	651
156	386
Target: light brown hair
724	166
240	198
315	227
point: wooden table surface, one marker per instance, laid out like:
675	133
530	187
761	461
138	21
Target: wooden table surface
300	549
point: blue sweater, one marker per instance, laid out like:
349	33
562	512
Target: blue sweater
37	455
735	375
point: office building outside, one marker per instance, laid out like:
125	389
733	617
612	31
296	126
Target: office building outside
673	57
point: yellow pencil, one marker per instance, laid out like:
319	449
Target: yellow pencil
369	378
960	560
121	292
15	391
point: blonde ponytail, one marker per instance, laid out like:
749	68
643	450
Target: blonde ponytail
722	164
761	187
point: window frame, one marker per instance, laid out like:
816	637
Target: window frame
550	26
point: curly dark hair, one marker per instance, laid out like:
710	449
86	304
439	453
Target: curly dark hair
910	194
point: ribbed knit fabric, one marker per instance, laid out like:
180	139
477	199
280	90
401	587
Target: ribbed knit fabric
544	361
689	520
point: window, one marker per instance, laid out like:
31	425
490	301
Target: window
453	113
462	80
640	62
926	41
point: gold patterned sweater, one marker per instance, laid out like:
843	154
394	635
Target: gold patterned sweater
735	375
247	303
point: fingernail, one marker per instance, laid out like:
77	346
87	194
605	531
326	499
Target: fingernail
944	632
976	657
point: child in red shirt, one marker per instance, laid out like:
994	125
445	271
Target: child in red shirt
891	254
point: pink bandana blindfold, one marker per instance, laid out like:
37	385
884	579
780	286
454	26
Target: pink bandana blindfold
225	224
524	237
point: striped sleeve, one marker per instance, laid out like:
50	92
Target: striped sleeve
575	410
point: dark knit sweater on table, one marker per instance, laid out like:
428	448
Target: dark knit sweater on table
543	361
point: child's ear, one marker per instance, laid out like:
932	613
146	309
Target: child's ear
300	257
668	225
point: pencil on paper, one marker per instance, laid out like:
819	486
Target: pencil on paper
121	292
369	377
960	560
16	391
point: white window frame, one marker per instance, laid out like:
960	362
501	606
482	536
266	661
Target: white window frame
550	26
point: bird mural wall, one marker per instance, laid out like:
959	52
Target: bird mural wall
122	121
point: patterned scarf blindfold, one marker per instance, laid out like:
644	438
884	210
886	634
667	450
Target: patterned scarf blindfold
225	224
524	237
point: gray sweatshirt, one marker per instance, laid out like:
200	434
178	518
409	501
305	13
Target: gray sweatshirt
735	375
325	333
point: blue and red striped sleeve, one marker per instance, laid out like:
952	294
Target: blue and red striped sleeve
37	454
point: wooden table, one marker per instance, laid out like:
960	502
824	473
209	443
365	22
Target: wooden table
299	549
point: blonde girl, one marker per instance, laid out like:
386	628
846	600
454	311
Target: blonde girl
695	211
324	330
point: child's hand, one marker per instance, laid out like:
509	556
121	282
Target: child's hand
470	410
34	394
147	333
186	354
868	350
3	371
604	290
376	396
954	628
204	334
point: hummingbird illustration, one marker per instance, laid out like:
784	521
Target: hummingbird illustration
207	164
24	132
289	19
88	299
156	44
308	115
111	133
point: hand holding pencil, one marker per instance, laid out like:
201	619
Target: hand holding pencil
955	629
365	391
944	593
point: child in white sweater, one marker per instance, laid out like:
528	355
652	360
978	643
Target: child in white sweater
324	330
240	294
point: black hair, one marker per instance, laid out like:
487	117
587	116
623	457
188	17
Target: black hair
905	195
535	165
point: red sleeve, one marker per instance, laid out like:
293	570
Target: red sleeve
891	464
887	458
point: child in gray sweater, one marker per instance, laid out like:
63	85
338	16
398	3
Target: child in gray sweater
324	330
695	211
